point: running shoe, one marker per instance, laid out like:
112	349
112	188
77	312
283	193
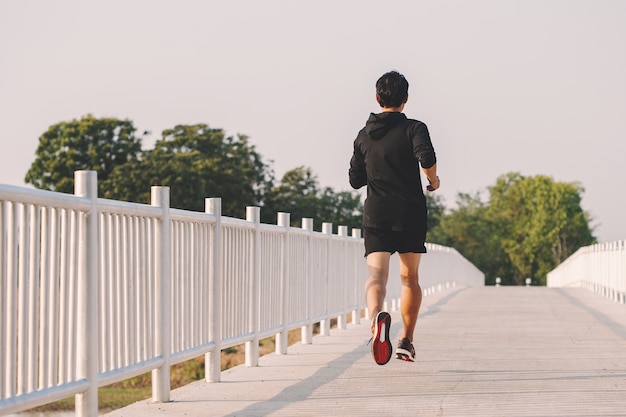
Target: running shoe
405	351
381	345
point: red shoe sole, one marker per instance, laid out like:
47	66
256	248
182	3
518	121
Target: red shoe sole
381	345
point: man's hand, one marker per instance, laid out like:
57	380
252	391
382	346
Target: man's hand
433	185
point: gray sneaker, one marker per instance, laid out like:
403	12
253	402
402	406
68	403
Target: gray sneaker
405	351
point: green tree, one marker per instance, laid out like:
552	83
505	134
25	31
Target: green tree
541	221
525	229
299	194
342	208
89	143
196	162
469	230
436	210
295	194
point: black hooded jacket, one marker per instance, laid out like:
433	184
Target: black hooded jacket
387	156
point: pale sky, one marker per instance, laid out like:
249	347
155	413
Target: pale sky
530	86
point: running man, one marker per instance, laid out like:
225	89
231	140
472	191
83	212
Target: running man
388	153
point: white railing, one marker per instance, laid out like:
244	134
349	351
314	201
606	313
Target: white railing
95	291
600	268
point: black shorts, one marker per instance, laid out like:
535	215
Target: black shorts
403	241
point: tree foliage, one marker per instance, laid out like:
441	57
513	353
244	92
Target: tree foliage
196	161
436	210
541	220
469	230
89	143
342	208
528	226
299	193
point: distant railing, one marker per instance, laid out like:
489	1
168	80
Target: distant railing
600	268
95	291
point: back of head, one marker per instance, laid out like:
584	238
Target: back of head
392	89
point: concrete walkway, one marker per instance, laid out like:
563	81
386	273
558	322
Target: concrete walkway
481	352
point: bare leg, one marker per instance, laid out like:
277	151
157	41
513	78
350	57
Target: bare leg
411	295
376	285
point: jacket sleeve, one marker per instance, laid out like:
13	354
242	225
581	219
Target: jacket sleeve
423	147
357	173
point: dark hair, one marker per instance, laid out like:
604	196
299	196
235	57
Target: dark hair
392	89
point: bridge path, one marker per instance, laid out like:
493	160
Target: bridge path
488	351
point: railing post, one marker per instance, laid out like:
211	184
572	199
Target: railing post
160	197
306	332
10	319
342	320
356	314
253	214
327	228
88	347
282	336
213	359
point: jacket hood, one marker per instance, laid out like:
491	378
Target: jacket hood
379	124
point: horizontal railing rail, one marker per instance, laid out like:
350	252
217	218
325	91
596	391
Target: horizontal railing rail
95	291
600	268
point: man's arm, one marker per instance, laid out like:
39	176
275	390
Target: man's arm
425	154
433	179
357	173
